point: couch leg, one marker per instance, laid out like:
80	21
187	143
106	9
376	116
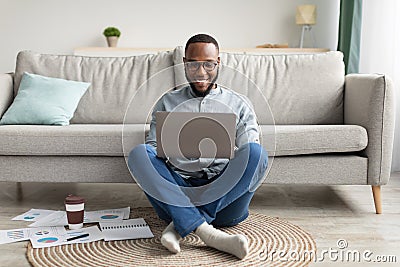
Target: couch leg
376	192
19	191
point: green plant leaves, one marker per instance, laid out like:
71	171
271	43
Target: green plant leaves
111	31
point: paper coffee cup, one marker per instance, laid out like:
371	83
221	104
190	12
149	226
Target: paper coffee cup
75	207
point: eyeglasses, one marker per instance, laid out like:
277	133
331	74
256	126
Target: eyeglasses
195	65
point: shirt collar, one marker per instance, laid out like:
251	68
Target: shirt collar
215	91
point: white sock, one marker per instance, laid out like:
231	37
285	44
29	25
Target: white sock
170	239
233	244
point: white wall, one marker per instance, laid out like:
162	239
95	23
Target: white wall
58	26
379	52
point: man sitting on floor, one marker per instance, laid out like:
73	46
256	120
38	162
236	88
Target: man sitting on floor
247	168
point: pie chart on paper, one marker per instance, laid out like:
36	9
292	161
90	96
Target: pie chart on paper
48	240
109	216
42	233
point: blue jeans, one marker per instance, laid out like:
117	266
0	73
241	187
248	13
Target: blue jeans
228	210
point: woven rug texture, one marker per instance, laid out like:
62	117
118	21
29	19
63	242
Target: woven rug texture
267	237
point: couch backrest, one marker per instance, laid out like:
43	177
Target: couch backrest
300	89
113	81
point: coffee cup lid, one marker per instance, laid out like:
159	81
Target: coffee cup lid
71	199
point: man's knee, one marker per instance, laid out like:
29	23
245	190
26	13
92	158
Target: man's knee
259	152
257	148
138	153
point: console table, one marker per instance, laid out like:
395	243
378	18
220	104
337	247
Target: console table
128	51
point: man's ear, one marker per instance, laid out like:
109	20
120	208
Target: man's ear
219	60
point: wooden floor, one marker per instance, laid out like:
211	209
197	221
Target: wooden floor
329	213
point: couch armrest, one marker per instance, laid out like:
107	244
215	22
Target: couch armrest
369	102
6	91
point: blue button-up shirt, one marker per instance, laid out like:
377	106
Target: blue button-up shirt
219	100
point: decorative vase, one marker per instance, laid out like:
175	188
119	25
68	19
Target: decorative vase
112	41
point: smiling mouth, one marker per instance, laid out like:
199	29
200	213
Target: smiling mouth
200	80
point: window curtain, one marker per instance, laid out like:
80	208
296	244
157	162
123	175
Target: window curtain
349	33
380	53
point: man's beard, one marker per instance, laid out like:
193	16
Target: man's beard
202	94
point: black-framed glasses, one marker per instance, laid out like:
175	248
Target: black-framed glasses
195	65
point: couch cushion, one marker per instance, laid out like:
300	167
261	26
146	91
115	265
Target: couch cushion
74	139
300	89
322	169
311	139
113	81
106	140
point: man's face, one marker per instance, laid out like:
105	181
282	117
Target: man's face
201	66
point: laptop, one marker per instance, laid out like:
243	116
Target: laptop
195	134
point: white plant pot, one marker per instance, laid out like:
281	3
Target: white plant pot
112	41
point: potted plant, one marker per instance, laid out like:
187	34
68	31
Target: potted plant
112	34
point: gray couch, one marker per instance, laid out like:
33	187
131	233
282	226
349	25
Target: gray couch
322	127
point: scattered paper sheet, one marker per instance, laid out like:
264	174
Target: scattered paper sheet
103	216
93	231
107	215
50	236
32	215
57	218
127	229
127	212
47	236
14	235
49	227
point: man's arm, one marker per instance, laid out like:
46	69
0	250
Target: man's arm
151	136
247	130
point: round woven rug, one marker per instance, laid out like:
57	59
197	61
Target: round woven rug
272	242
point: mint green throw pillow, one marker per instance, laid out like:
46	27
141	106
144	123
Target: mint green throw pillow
44	100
